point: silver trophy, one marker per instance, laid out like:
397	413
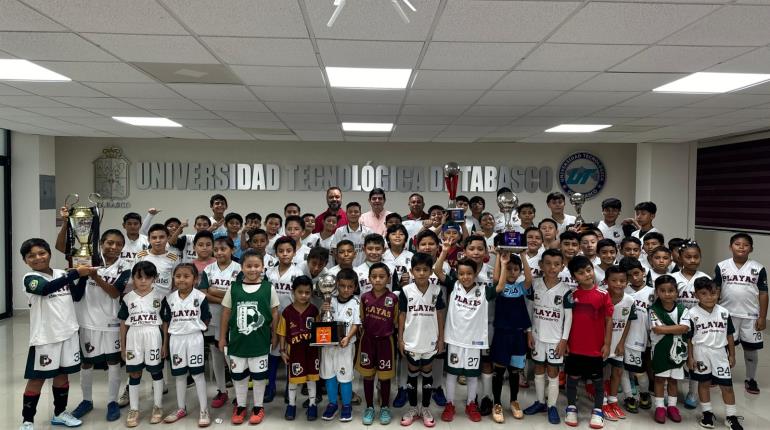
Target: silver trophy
511	240
327	332
577	200
327	285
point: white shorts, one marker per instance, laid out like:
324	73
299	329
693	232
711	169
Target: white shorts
241	367
677	373
711	364
632	360
746	333
545	353
52	359
143	346
463	361
99	346
185	352
336	361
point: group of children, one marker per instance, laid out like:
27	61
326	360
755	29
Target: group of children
439	304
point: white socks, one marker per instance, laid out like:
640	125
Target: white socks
486	385
181	390
218	366
87	383
292	394
451	384
311	391
157	392
113	382
553	391
540	388
472	384
200	389
241	391
259	392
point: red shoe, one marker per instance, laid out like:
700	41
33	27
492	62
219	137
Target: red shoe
472	411
609	413
219	400
618	411
673	413
257	415
660	415
449	412
238	417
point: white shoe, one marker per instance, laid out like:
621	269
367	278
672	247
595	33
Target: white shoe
124	398
597	419
203	419
65	419
26	425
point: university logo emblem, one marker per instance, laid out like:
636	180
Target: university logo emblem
111	176
582	172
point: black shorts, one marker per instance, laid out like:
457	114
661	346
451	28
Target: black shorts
583	366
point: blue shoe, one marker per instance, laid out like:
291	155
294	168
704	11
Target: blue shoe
385	416
536	408
691	401
83	408
269	394
401	398
346	414
553	415
113	411
330	412
312	412
291	412
65	419
439	397
368	417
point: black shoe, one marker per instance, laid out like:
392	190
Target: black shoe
751	386
644	401
486	406
732	422
707	420
269	394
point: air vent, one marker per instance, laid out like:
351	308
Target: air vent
178	73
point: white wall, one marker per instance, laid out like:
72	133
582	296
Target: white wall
74	157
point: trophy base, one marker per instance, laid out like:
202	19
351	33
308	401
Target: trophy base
455	216
512	249
81	260
326	333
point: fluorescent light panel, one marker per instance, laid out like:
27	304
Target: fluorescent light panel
373	127
354	77
147	121
713	83
577	128
23	70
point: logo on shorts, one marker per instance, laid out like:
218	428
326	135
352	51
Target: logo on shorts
534	353
232	365
45	360
453	358
130	355
89	348
156	303
582	172
365	359
701	367
308	322
177	360
342	370
296	369
388	301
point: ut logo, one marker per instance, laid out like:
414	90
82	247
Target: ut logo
580	175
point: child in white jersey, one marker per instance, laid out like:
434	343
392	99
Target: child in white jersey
616	281
396	255
163	260
636	353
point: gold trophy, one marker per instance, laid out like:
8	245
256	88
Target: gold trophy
83	227
327	332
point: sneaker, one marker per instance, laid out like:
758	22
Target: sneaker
427	417
354	400
631	405
408	417
660	415
516	410
707	420
113	411
618	411
536	408
124	399
597	419
330	412
65	419
553	415
312	412
368	416
497	413
269	394
83	408
346	414
176	416
485	408
472	411
439	397
673	413
401	398
132	419
691	401
157	415
751	386
291	412
219	400
26	425
609	412
257	415
645	402
385	416
571	416
239	415
203	418
732	422
449	412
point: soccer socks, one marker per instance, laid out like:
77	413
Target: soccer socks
730	410
60	396
259	391
411	388
241	391
486	385
659	402
472	384
625	383
87	383
369	392
346	392
750	357
403	371
553	391
331	389
218	365
642	380
181	391
598	393
427	388
113	382
384	391
157	388
200	389
513	382
311	390
497	384
671	401
451	384
29	406
706	407
540	388
572	384
292	394
133	392
272	370
438	372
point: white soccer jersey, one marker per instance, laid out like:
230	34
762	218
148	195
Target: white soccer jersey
219	279
401	264
186	315
165	264
282	284
623	311
413	226
741	287
133	247
51	317
362	270
467	316
638	234
348	312
550	306
568	220
599	277
710	329
220	230
269	261
614	232
566	278
270	243
534	263
186	247
638	334
355	236
142	311
683	319
315	239
300	256
421	317
97	310
686	288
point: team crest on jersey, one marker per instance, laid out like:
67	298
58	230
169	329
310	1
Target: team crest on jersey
33	284
196	303
723	315
349	312
130	355
478	293
308	322
156	303
625	311
695	318
177	360
296	369
453	358
411	299
89	348
45	360
557	300
132	305
365	359
388	301
754	272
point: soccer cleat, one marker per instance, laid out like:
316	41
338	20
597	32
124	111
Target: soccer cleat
707	420
385	416
644	401
257	415
239	415
219	399
113	411
472	411
439	397
132	419
597	419
732	422
449	412
401	398
553	415
26	425
124	399
176	416
497	413
691	401
408	417
485	408
609	413
536	408
291	412
673	413
157	415
368	417
83	408
427	417
516	410
631	405
312	412
571	416
330	412
660	415
751	386
65	419
618	411
346	414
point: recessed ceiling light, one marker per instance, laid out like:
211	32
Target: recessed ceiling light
355	77
147	121
713	83
374	127
23	70
577	128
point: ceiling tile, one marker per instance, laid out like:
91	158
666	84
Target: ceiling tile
184	114
736	101
417	130
565	112
149	91
202	123
153	49
664	99
729	26
213	91
455	80
61	89
307	118
319	134
243	115
466	131
482	120
280	76
18	17
263	52
499	110
29	101
359	53
234	105
756	61
288	94
474	56
358	117
367	108
257	18
681	59
417	97
51	46
418	119
433	109
632	111
628	23
300	107
229	133
501	21
592	98
110	16
525	80
518	98
349	95
561	57
63	112
93	102
96	72
181	104
7	90
628	81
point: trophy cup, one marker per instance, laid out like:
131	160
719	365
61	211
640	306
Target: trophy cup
455	215
577	200
327	331
83	227
512	240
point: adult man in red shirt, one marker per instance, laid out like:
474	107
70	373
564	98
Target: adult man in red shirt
416	208
334	203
